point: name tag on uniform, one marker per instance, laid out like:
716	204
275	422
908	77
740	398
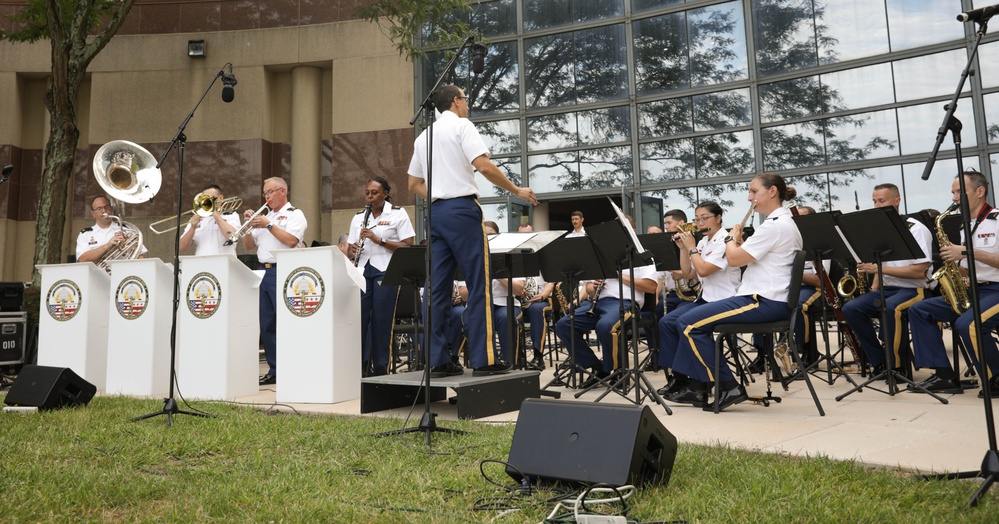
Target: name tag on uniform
93	241
986	239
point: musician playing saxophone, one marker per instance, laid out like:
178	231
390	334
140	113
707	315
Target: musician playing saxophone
387	228
605	319
905	284
706	261
282	228
924	317
94	241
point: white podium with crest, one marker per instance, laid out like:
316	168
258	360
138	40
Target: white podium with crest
73	321
139	320
218	329
318	326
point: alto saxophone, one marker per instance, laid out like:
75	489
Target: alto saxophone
562	302
952	285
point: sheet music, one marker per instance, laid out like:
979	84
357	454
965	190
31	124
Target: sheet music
355	273
856	259
504	242
627	226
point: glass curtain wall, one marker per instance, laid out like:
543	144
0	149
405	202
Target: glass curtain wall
686	101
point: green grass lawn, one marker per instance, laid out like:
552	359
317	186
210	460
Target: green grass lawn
91	464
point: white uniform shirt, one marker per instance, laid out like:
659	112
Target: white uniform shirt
456	144
208	238
723	283
985	240
287	218
773	246
392	225
611	285
925	240
574	233
500	292
94	237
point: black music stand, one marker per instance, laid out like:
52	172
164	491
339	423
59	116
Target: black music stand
821	239
570	260
408	267
619	247
516	255
876	236
667	257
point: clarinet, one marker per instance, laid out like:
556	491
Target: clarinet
360	241
596	294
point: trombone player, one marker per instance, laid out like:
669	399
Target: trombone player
95	241
208	234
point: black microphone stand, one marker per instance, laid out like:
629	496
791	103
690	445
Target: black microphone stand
428	423
170	404
989	471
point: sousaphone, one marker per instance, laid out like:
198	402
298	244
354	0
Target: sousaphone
127	172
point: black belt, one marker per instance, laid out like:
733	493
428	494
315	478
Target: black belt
455	198
269	265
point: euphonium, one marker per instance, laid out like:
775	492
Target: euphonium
952	285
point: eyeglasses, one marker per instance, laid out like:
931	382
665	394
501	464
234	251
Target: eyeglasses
269	192
702	219
103	208
461	97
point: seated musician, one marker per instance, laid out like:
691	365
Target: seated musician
925	316
707	263
905	284
762	296
601	311
537	296
455	325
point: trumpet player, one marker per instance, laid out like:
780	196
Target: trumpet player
96	240
208	234
924	316
282	228
706	261
375	233
905	284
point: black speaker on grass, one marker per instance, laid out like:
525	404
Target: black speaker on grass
48	387
583	442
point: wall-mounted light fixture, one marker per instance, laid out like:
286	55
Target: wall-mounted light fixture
196	48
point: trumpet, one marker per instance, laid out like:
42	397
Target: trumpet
246	227
204	206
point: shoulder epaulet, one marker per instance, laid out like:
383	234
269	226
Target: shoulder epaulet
86	230
228	213
911	224
993	215
292	209
361	212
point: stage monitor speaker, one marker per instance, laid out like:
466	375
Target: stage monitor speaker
582	442
48	387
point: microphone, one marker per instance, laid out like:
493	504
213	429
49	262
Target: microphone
7	170
478	52
228	81
982	14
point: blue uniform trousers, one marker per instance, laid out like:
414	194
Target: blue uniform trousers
669	334
539	327
377	308
606	322
456	330
860	310
803	323
268	317
696	350
667	302
927	338
458	240
501	324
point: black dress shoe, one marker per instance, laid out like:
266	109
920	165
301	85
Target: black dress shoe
538	364
689	396
993	388
594	380
268	379
499	368
935	384
728	398
449	369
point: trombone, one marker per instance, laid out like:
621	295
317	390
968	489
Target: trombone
204	206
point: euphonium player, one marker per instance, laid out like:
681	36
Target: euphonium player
208	234
762	296
388	228
905	284
105	234
924	316
707	263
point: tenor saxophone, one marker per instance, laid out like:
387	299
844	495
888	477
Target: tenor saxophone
952	285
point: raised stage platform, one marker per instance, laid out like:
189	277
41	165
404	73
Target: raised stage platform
478	397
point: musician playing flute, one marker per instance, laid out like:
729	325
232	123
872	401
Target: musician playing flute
762	296
706	261
905	284
387	228
924	317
